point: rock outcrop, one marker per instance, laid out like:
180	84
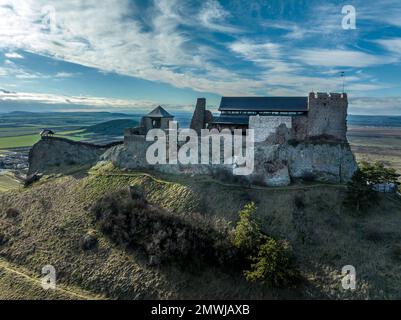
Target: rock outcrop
275	164
51	153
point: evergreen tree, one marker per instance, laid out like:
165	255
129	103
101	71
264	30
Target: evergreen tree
360	194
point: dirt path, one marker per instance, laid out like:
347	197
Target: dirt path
207	179
18	272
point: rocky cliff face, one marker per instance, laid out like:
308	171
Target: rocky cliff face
275	164
52	153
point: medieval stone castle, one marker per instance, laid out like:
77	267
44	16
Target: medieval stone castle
275	120
296	138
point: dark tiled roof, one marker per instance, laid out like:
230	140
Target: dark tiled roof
241	120
159	112
264	104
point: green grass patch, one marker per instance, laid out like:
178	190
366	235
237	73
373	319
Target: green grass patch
30	140
7	183
18	142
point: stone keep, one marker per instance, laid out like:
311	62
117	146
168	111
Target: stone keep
327	115
264	126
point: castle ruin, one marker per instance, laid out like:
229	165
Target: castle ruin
296	138
319	116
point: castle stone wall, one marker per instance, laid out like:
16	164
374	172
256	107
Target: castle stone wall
264	126
300	127
327	115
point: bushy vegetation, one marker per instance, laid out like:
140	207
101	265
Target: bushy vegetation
271	261
360	195
12	213
247	232
227	177
162	236
272	264
377	173
192	241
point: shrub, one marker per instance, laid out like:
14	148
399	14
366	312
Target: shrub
227	176
396	252
89	242
270	260
373	234
272	264
12	213
377	173
360	196
162	236
3	239
247	232
192	241
299	203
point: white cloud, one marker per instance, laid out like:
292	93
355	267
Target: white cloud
392	45
374	106
268	55
387	12
92	103
213	15
151	44
13	55
65	74
340	58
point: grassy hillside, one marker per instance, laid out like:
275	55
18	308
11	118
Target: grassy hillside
7	182
111	128
21	129
48	229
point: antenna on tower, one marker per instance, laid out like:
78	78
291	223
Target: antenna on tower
342	73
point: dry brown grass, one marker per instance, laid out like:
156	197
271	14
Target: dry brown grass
54	216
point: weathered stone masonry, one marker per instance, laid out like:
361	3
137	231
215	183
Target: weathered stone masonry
307	144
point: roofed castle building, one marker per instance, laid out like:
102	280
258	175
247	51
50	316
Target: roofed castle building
296	138
319	115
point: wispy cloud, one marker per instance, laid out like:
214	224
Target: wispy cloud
392	45
371	105
340	58
65	75
384	12
91	103
173	42
213	16
13	55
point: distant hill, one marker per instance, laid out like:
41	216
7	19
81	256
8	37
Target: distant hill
111	128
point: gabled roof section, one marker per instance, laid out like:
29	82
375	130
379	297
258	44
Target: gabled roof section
159	112
264	104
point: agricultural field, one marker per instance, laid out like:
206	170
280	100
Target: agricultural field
376	144
21	129
29	140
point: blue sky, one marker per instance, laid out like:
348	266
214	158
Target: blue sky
132	55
